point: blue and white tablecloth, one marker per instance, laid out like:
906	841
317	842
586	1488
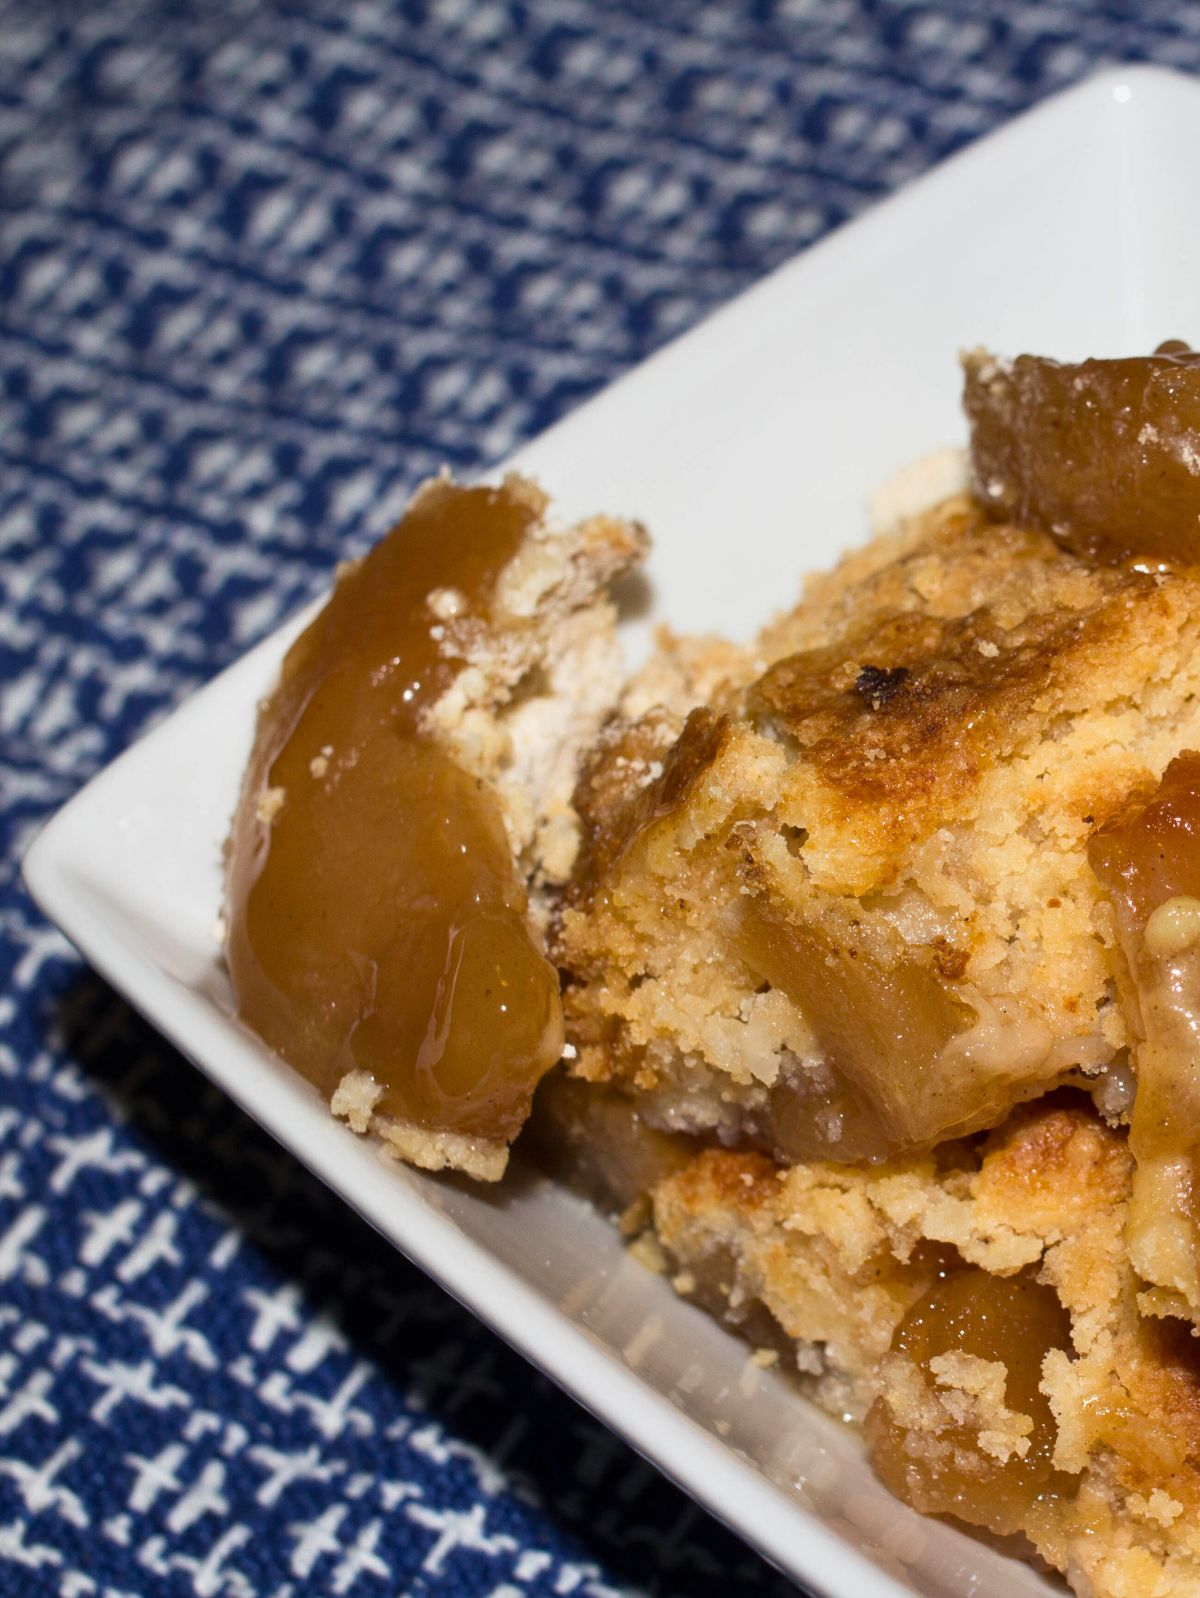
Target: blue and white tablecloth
262	267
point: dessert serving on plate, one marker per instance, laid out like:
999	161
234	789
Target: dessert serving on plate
407	812
877	940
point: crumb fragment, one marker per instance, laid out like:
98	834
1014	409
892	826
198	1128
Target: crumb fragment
481	1158
647	1251
974	1395
354	1099
270	803
446	603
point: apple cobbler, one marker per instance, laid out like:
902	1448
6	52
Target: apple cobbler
406	810
877	939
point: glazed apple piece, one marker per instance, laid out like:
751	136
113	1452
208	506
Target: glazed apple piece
883	1030
1104	454
961	1426
377	923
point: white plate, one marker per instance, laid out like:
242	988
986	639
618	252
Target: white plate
748	447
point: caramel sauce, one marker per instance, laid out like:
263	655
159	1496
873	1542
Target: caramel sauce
1104	454
1015	1321
1147	859
376	920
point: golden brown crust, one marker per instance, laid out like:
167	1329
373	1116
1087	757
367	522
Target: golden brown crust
903	772
905	689
621	776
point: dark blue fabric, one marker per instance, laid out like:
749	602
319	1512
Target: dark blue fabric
262	267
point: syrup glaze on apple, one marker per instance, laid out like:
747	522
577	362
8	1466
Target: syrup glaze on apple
376	919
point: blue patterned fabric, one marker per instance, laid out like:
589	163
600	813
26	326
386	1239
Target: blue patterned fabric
263	266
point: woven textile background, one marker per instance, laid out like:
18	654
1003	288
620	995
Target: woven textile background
262	267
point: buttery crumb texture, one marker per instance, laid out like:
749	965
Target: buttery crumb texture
834	940
855	879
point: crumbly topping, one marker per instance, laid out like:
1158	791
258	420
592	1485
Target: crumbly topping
539	679
354	1099
887	797
270	803
973	1394
836	1255
442	1151
906	767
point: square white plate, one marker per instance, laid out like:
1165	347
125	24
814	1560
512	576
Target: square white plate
748	447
